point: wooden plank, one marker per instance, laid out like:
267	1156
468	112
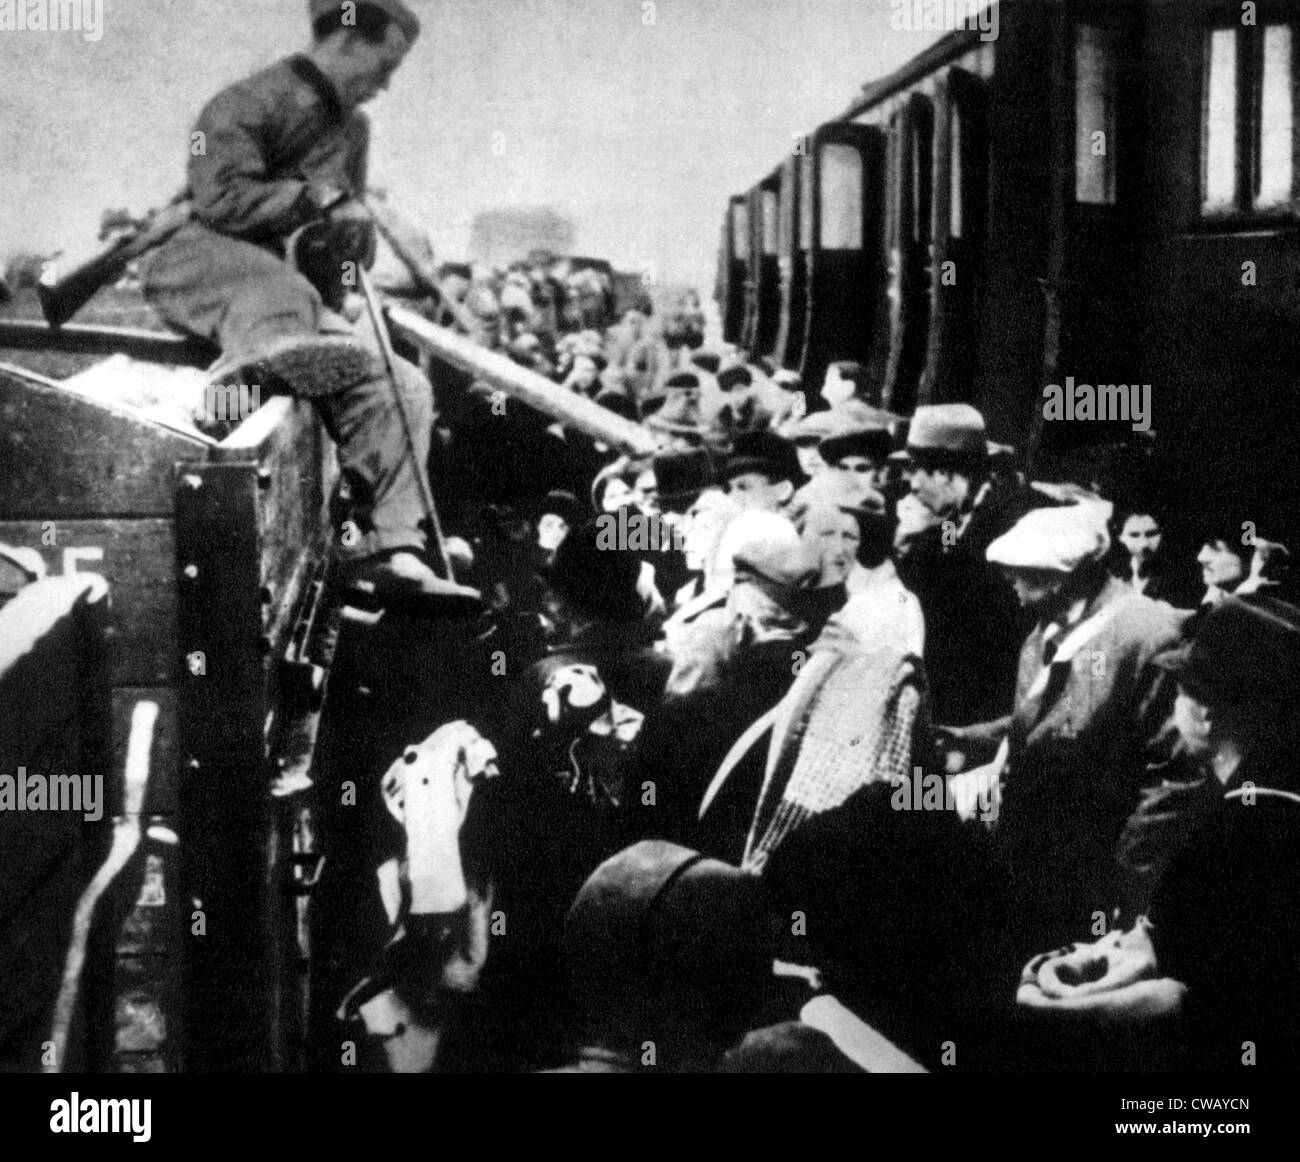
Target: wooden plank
138	560
522	384
64	457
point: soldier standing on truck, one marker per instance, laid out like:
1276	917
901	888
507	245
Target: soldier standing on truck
278	172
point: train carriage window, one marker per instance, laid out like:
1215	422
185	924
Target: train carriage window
1277	119
1248	135
1094	120
842	190
771	222
740	231
1220	137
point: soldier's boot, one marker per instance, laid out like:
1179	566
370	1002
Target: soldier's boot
307	365
400	577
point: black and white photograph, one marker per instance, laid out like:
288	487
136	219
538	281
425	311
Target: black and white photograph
651	536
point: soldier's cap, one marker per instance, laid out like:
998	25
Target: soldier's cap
1247	650
396	11
736	375
708	361
946	434
1056	539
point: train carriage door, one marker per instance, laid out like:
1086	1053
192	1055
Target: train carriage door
768	268
1099	315
844	270
910	254
958	227
792	264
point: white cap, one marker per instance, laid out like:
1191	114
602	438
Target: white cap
767	544
1060	539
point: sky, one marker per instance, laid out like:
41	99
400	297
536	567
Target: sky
636	119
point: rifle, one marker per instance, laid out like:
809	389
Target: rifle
61	298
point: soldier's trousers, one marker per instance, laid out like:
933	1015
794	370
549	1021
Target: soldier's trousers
240	296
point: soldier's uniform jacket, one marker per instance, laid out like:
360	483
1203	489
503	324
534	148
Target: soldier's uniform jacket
263	140
259	147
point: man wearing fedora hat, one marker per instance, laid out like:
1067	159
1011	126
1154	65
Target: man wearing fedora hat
972	628
277	173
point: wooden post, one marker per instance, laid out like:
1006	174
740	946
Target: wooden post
519	383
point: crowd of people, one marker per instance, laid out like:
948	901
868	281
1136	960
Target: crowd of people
873	716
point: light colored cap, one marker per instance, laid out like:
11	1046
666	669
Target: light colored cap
1060	539
768	544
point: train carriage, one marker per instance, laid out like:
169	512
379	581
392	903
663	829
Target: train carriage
1106	193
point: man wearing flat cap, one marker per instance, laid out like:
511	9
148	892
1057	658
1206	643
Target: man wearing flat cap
277	172
972	628
1092	725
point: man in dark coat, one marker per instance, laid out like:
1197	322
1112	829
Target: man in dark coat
283	150
972	628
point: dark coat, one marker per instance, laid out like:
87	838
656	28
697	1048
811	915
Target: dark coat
1227	923
973	625
684	742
